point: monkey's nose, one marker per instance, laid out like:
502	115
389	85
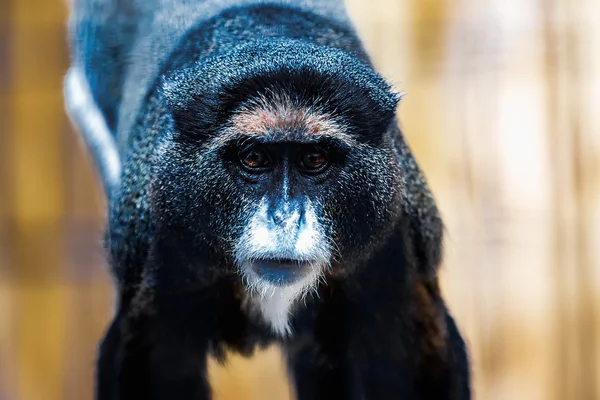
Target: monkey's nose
278	217
285	219
287	215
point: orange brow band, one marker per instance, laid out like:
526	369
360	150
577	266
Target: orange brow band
280	114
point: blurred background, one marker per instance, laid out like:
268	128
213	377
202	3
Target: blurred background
503	112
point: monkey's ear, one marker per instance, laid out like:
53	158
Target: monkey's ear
89	120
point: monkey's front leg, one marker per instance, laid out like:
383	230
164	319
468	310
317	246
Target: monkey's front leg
123	346
353	359
352	352
107	364
344	352
156	352
335	369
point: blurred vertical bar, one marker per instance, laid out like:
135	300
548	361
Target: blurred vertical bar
4	131
37	61
569	56
7	352
554	47
579	56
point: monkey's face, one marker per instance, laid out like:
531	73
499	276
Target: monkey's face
314	204
283	246
286	183
288	194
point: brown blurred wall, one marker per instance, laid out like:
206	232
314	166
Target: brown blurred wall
502	113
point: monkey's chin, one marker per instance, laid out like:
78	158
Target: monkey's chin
281	272
274	287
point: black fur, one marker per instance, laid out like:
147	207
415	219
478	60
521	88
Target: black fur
378	328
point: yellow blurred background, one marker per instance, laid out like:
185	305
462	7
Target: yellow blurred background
503	113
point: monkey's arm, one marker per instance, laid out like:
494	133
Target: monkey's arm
459	358
109	353
147	358
329	365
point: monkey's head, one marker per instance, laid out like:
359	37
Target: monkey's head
281	165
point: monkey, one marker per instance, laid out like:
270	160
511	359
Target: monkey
259	191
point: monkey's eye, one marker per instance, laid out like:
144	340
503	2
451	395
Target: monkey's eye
313	161
254	159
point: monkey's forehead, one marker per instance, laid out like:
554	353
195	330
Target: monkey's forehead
279	57
285	119
327	79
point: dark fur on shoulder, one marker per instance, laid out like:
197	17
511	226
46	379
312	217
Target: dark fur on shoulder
183	91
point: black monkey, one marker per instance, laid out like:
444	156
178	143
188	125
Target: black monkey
259	191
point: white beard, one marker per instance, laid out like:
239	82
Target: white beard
274	303
262	240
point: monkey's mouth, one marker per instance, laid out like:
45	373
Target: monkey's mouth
281	271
